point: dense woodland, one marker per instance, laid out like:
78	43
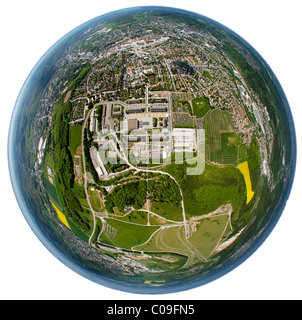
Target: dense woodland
63	163
132	194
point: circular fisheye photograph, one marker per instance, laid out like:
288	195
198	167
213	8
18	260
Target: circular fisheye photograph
152	150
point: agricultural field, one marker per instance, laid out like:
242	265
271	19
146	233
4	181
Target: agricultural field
222	142
50	181
229	148
61	216
244	169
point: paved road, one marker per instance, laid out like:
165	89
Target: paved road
85	176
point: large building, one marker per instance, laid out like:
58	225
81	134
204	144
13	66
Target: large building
184	139
132	124
97	162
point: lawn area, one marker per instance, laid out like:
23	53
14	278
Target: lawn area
201	106
167	210
139	217
94	197
75	138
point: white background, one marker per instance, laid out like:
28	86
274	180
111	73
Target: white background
28	29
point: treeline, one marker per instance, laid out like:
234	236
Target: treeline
62	156
63	163
99	116
82	74
254	161
115	179
87	142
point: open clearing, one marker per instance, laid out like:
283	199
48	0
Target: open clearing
201	106
208	232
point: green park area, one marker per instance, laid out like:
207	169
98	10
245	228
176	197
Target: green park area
201	106
75	138
95	198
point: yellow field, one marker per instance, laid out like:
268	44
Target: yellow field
61	216
157	281
244	169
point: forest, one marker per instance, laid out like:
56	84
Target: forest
131	194
63	163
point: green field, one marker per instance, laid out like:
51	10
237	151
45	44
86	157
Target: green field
172	239
77	231
208	233
94	197
199	246
139	217
75	138
167	210
51	187
201	106
128	234
229	148
242	154
208	191
166	240
220	133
